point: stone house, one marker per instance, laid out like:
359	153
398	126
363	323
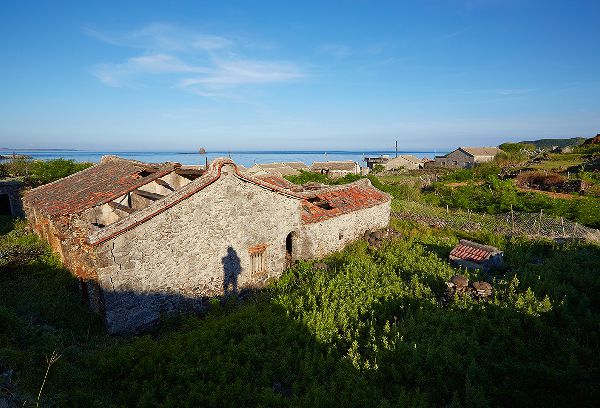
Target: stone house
147	239
406	161
278	169
472	255
373	161
467	157
336	169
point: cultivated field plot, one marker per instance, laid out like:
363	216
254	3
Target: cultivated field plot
535	225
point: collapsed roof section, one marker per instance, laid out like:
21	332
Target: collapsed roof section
94	186
116	195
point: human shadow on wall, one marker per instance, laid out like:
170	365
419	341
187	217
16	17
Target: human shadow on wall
232	267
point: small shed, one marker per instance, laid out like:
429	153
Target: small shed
335	169
473	255
406	161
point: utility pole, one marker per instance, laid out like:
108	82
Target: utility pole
396	148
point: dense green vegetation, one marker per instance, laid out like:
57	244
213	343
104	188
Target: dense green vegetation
370	331
548	143
39	172
498	196
517	147
480	172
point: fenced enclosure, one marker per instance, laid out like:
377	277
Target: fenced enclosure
511	223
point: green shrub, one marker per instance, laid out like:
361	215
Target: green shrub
378	168
43	171
517	147
500	196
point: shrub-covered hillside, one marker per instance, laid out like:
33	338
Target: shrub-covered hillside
369	329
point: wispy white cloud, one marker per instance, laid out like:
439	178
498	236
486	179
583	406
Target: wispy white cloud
205	64
336	50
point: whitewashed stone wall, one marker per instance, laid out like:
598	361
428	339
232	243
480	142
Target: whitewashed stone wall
322	238
178	255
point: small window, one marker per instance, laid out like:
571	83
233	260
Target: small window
257	260
455	163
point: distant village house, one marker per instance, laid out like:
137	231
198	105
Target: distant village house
467	157
405	161
336	169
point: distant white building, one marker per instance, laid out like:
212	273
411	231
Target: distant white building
336	169
408	162
278	169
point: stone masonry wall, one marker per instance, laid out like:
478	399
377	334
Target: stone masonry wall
322	238
191	250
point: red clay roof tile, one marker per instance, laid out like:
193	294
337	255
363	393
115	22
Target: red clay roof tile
93	186
342	201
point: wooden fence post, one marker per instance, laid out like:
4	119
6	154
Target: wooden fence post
512	216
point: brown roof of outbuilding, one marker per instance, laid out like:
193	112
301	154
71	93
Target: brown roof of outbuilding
334	165
94	186
481	151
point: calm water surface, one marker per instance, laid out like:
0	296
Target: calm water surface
246	158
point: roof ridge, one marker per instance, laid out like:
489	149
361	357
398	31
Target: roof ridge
212	175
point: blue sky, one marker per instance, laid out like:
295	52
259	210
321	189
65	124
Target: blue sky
432	74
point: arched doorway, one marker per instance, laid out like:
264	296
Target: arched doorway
289	249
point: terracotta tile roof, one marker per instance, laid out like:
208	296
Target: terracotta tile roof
332	203
94	186
213	174
472	251
334	165
277	181
481	151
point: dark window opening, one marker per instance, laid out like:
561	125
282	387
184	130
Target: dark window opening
145	173
320	203
289	243
98	224
5	205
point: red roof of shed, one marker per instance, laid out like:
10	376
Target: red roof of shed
471	251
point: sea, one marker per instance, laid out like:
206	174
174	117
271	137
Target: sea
245	158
